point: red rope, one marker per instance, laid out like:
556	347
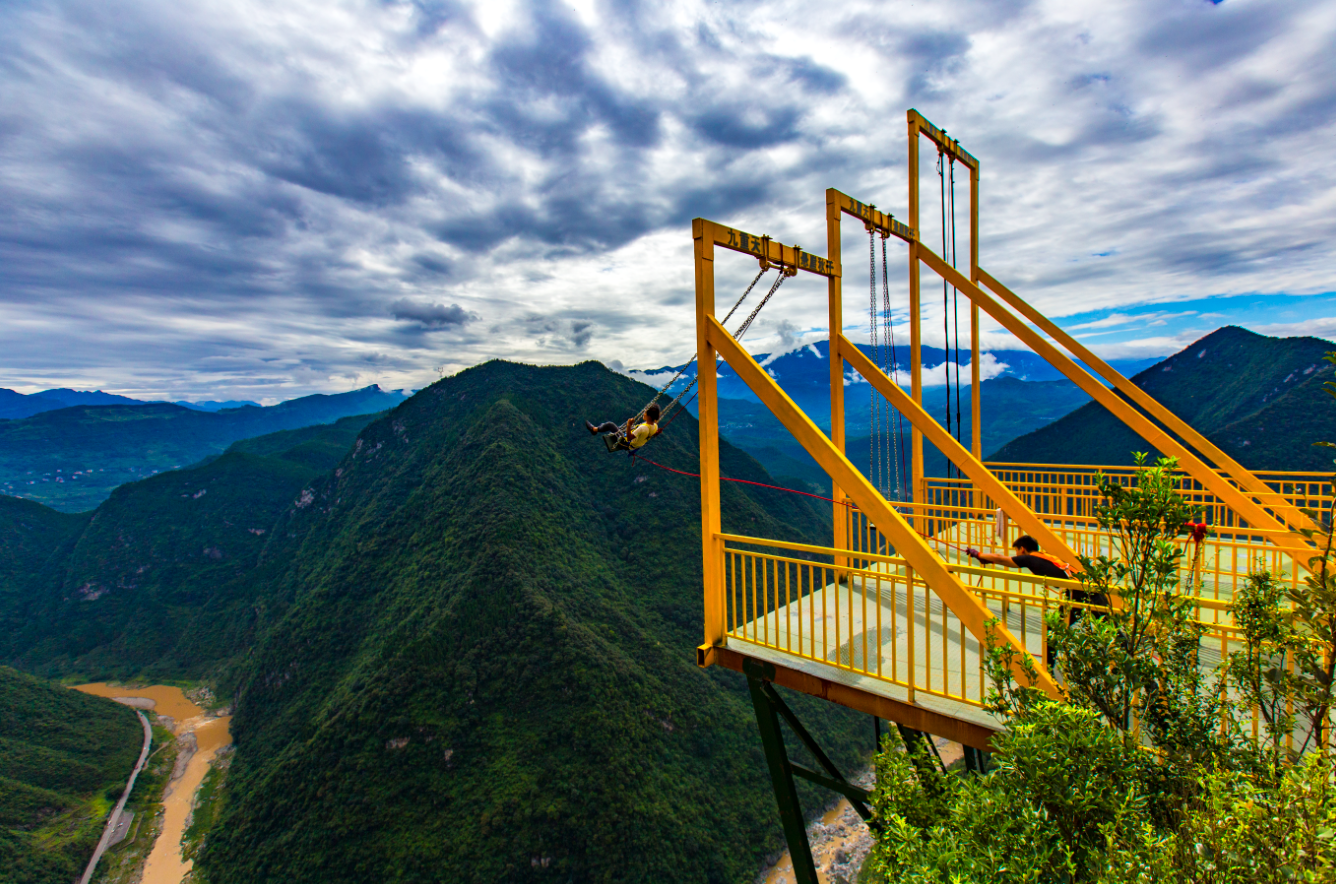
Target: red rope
741	481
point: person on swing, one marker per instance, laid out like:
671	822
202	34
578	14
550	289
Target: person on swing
618	440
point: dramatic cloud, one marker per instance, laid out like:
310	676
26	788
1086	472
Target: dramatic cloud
431	315
257	200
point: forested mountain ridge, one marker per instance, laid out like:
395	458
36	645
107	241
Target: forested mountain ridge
32	537
1258	398
165	578
14	405
461	646
71	458
64	758
485	671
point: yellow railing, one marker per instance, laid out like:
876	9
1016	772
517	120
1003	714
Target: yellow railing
869	615
1069	489
872	615
1211	574
952	512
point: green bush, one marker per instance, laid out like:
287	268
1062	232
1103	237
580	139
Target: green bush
1146	768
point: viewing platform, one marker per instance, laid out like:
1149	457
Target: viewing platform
859	621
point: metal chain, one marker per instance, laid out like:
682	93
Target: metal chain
742	330
784	273
736	305
955	301
888	335
946	333
757	278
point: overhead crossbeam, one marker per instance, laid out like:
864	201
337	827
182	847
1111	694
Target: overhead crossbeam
958	454
767	249
1273	500
1212	481
883	222
968	608
949	146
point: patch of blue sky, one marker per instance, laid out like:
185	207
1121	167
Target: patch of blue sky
1280	315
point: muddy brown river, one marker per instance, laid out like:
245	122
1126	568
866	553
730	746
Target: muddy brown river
165	865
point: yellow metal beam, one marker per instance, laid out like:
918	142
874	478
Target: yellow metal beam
835	298
709	437
979	474
949	146
971	611
1139	423
915	309
765	248
1270	498
869	214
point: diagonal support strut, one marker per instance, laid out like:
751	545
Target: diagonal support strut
1241	503
968	607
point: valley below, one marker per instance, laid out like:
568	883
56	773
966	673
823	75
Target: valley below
458	648
200	736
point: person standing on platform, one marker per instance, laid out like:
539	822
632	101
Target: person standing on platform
1025	554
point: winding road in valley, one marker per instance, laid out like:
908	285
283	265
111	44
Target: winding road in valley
110	829
210	733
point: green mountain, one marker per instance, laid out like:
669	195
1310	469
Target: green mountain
465	652
72	458
1258	398
161	581
32	539
64	758
485	672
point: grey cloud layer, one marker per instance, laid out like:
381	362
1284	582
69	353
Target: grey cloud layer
252	200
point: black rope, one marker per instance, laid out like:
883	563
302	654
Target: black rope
946	313
955	299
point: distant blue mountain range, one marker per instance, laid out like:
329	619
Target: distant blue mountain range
803	373
15	406
210	405
71	457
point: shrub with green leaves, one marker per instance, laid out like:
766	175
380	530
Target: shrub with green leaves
1146	767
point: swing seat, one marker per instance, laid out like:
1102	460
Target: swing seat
615	442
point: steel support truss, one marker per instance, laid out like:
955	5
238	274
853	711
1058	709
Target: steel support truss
770	710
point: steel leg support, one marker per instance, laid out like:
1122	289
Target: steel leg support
914	738
781	775
977	760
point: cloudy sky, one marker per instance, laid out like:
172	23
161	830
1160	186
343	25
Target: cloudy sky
237	199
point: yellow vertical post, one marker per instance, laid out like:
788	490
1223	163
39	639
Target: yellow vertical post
836	298
976	421
915	332
709	436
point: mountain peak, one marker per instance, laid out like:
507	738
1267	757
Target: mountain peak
1256	397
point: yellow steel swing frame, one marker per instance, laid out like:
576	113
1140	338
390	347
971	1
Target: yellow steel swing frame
964	592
